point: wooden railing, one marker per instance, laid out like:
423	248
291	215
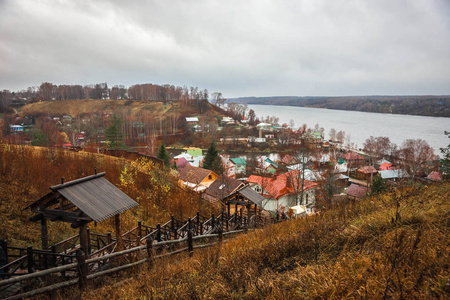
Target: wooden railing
85	268
64	256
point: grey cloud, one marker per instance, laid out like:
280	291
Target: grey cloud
241	48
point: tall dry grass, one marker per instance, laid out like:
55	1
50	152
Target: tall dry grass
394	246
26	173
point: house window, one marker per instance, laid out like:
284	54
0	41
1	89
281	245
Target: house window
258	189
209	177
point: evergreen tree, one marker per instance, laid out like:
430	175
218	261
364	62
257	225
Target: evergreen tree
39	138
164	155
114	134
445	161
212	160
378	186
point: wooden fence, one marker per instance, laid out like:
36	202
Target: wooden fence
66	260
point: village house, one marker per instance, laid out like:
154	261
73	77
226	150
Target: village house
354	160
393	175
283	191
366	173
314	137
198	179
221	188
288	160
434	176
229	168
193	156
240	165
356	191
266	165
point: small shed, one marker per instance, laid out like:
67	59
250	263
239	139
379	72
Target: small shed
91	198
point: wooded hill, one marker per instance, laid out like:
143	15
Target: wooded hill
435	106
393	246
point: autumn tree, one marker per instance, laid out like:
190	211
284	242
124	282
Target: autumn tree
296	177
218	99
251	117
414	156
379	148
332	134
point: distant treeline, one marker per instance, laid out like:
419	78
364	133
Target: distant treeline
143	92
435	106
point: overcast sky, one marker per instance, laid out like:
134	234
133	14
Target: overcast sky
240	48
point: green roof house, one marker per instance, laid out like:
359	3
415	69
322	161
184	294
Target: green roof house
240	163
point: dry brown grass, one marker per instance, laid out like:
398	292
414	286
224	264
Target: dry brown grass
129	107
394	246
26	173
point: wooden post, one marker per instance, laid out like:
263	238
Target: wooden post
197	227
240	216
82	270
4	245
30	262
172	226
158	233
118	232
221	220
149	241
109	239
84	238
226	221
190	241
139	229
54	256
220	231
88	239
228	209
44	233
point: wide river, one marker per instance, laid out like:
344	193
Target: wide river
362	125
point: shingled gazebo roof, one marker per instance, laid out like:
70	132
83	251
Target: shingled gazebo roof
92	198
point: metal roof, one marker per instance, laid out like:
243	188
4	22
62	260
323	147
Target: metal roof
251	195
95	196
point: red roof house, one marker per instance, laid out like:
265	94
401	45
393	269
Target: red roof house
283	187
386	166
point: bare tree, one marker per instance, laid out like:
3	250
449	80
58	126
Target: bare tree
332	134
415	155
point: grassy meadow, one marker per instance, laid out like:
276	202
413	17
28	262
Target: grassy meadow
393	246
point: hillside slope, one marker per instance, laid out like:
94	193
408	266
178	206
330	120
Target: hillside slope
26	173
75	108
392	246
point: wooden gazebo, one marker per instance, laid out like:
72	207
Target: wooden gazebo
245	198
92	198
